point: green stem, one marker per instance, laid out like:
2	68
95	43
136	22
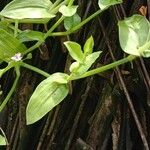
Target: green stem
55	9
45	74
13	28
78	26
106	67
45	36
54	4
9	66
11	91
70	2
48	33
54	26
57	23
32	48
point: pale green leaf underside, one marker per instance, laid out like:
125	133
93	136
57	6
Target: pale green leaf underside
134	33
24	9
68	11
27	13
46	96
9	45
107	3
2	140
15	4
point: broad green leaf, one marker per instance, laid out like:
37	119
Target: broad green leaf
29	35
24	9
46	96
5	26
107	3
72	21
75	50
88	46
134	35
2	141
68	11
9	46
90	59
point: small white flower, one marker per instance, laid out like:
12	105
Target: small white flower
17	57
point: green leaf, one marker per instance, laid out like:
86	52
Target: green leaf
134	35
5	26
24	9
74	50
88	46
72	21
68	11
29	35
74	66
89	60
107	3
9	46
2	141
46	96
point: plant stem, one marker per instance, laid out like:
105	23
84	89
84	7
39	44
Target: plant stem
57	23
48	33
54	4
70	2
45	74
32	48
9	66
106	67
45	36
54	26
55	9
11	91
78	26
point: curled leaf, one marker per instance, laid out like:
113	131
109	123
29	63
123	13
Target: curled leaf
28	9
68	11
74	66
134	35
2	141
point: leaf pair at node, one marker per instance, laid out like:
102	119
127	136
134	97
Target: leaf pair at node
51	91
